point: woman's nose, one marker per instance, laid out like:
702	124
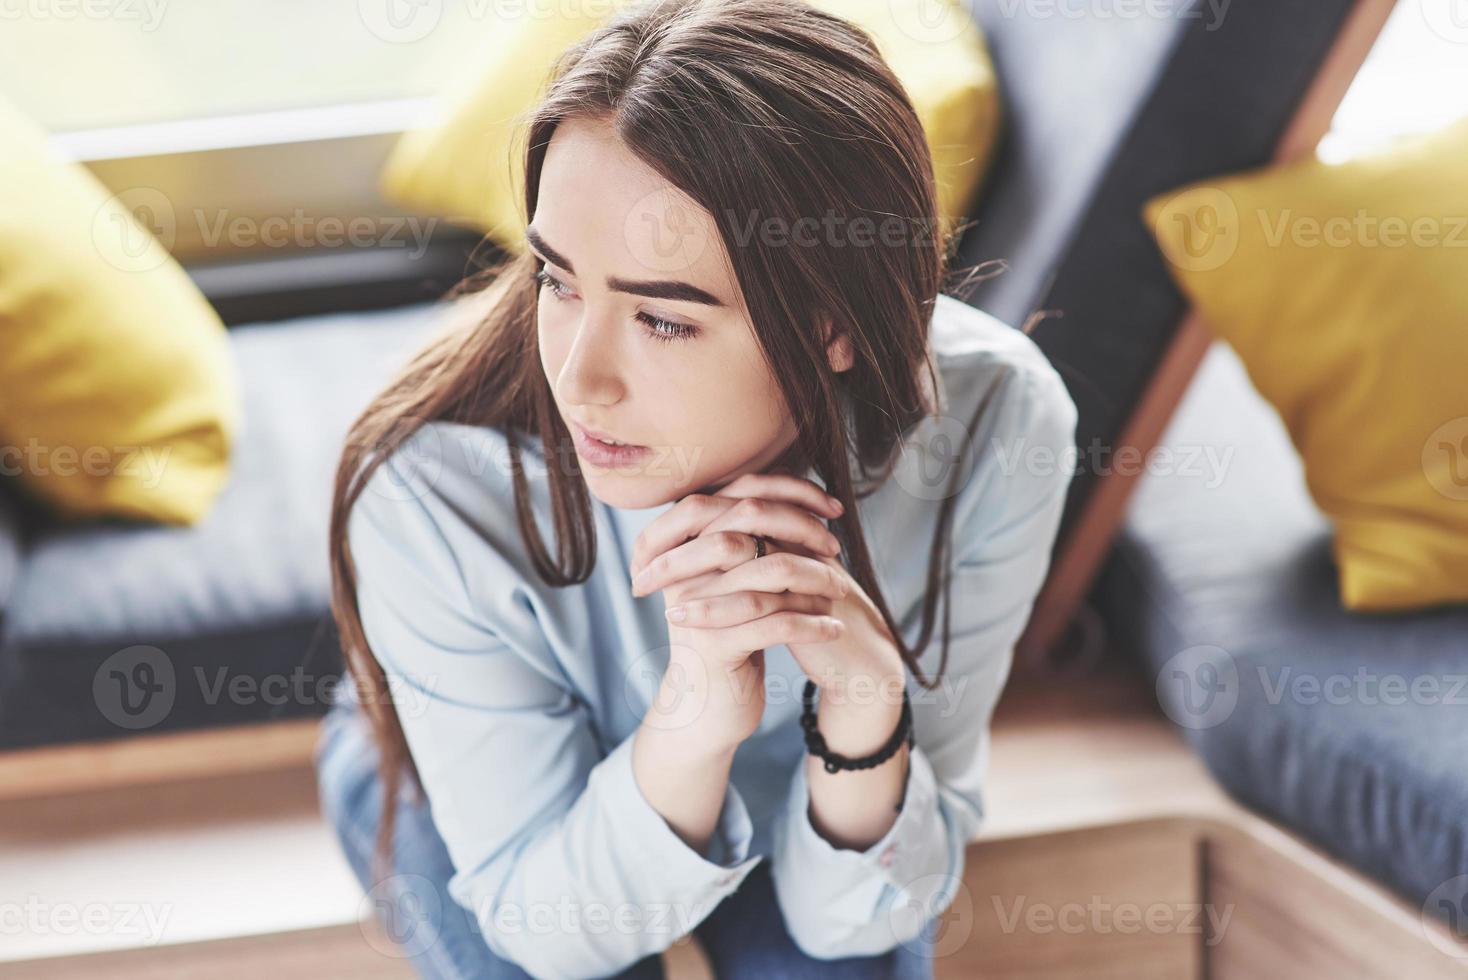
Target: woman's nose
591	373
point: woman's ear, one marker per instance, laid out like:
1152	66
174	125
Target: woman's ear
838	347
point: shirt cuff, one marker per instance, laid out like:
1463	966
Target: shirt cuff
891	856
667	855
838	899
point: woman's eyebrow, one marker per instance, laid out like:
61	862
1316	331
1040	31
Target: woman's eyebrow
672	289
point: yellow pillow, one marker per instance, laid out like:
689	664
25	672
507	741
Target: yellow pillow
461	166
1344	289
117	393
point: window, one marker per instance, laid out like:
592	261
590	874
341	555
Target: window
1415	80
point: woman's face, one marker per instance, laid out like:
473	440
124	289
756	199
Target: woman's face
643	332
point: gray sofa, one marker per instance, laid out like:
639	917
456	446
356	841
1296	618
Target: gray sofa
231	614
1100	112
1351	728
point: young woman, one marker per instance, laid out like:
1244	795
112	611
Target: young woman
559	760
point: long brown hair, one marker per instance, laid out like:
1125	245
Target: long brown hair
756	109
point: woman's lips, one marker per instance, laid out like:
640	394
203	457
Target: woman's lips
602	454
601	436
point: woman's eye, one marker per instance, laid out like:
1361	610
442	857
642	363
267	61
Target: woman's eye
558	289
657	327
666	330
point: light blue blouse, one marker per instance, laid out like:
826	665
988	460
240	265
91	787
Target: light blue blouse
519	701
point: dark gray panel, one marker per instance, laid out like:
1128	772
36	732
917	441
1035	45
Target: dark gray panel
1205	96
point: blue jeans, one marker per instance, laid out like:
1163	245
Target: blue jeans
744	936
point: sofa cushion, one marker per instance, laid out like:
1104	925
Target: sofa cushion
1339	285
241	597
468	162
118	392
1349	727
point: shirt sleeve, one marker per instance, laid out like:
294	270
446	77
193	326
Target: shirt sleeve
567	867
840	902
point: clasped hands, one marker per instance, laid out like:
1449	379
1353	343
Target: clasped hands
700	554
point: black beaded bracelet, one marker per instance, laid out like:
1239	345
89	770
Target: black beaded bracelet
815	742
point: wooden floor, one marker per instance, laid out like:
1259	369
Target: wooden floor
189	857
335	951
1091	793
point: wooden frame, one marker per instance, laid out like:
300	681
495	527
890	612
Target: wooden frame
1223	897
1186	896
54	770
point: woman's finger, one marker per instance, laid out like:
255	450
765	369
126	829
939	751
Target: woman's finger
785	522
732	553
720	611
688	518
779	486
776	573
717	551
781	627
712	582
